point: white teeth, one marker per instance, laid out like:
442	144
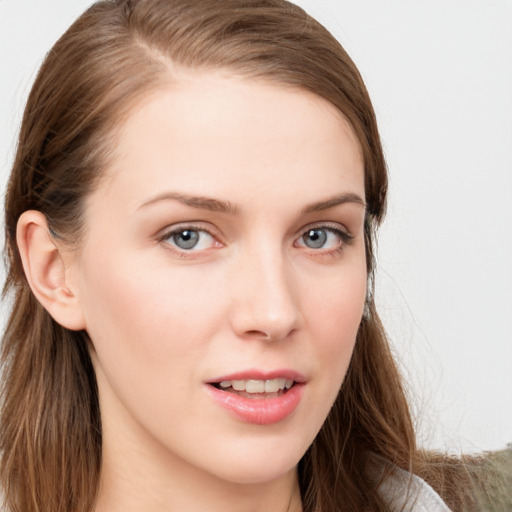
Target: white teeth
272	386
255	386
258	386
238	385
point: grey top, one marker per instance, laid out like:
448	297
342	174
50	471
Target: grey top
409	493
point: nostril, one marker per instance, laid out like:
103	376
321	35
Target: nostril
258	334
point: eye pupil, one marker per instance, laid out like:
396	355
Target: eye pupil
315	238
186	239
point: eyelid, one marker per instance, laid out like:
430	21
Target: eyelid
192	225
329	226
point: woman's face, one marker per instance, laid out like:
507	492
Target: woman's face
223	262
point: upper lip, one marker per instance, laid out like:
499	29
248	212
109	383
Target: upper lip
255	374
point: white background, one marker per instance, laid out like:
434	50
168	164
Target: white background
440	75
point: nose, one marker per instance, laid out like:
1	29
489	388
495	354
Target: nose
265	297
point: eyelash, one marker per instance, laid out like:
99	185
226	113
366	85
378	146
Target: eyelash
183	253
346	239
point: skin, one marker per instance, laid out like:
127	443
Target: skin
251	295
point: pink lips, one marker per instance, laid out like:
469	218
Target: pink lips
260	411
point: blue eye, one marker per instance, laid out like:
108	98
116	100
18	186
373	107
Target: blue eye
186	239
315	238
323	238
190	239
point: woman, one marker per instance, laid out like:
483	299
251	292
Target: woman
190	221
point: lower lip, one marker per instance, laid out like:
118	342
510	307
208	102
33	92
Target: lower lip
259	411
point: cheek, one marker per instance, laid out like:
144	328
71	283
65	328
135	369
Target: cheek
143	303
335	308
147	337
334	316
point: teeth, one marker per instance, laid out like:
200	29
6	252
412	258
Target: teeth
258	386
255	386
238	385
274	385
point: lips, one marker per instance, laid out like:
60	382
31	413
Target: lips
252	388
258	397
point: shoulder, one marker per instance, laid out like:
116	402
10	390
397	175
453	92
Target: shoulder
405	492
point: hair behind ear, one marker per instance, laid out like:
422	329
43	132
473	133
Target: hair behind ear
50	430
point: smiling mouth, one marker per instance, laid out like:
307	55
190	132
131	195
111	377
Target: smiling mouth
256	389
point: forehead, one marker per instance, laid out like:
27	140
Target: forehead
208	131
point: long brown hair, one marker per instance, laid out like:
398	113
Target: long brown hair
50	430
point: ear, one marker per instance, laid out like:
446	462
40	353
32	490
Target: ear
45	267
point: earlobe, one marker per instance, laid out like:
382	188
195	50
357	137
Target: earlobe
45	268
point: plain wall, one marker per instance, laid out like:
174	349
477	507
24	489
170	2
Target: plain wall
440	75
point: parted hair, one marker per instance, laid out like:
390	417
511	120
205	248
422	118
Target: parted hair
114	54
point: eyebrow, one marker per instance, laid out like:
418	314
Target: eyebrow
219	206
337	200
200	202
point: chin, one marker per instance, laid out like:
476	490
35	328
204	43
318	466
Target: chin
259	463
257	474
